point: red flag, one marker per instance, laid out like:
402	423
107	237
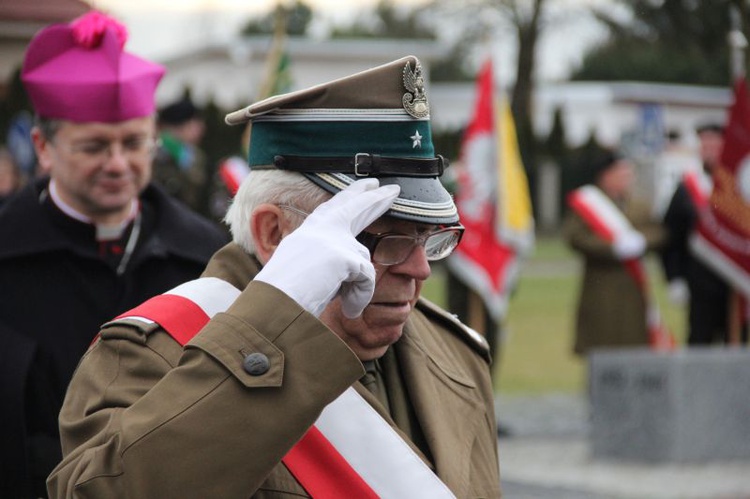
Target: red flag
722	238
492	199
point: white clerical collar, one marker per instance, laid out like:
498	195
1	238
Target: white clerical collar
104	232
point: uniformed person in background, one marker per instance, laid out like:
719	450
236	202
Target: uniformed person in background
690	281
90	239
314	307
180	164
613	303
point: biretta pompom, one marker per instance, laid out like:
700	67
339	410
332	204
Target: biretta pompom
80	72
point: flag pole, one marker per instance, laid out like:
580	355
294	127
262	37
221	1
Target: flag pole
737	44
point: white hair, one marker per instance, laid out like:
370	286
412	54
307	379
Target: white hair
269	186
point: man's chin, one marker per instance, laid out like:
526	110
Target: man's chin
375	349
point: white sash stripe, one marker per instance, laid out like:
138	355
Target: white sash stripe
378	454
605	209
210	293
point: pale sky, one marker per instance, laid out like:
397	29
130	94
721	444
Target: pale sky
160	29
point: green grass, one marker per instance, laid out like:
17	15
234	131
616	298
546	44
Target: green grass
536	354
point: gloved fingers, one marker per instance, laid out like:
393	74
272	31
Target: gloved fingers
371	205
357	292
357	206
352	191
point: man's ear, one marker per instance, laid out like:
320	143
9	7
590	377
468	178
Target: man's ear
268	226
42	148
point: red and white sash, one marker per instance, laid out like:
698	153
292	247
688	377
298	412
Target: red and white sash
699	189
608	222
351	451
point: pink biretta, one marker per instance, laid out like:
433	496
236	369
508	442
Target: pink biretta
80	72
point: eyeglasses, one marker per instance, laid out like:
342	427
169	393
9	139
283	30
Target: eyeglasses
393	248
137	147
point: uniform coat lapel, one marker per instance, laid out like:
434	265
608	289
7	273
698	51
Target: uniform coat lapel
445	400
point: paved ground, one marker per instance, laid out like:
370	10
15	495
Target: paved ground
548	456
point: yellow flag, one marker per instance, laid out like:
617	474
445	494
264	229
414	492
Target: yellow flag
514	212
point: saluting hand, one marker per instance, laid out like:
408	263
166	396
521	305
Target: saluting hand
322	259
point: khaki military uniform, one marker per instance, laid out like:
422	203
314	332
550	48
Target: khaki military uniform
144	418
611	306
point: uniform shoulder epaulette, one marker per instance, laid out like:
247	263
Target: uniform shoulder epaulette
126	328
451	322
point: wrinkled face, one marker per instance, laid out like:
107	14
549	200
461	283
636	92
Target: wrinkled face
99	168
397	288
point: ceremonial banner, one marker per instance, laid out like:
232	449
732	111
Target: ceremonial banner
493	201
722	238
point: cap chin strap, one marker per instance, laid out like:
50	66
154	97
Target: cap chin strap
361	165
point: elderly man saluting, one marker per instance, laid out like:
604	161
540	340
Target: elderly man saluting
304	362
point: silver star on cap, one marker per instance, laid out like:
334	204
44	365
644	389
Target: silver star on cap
417	140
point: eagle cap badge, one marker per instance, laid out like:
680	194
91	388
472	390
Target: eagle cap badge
415	98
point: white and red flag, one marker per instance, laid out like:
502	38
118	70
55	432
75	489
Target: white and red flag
232	172
493	200
722	238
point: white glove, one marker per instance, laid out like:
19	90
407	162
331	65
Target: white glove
630	245
678	291
321	258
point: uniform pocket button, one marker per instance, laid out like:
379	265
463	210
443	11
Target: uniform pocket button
256	364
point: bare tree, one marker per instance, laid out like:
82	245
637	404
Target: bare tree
525	19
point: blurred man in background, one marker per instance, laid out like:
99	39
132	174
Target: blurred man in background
690	281
89	239
180	164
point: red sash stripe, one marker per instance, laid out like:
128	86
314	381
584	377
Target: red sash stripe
694	189
322	471
180	317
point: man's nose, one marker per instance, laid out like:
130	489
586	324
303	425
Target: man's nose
117	159
416	265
